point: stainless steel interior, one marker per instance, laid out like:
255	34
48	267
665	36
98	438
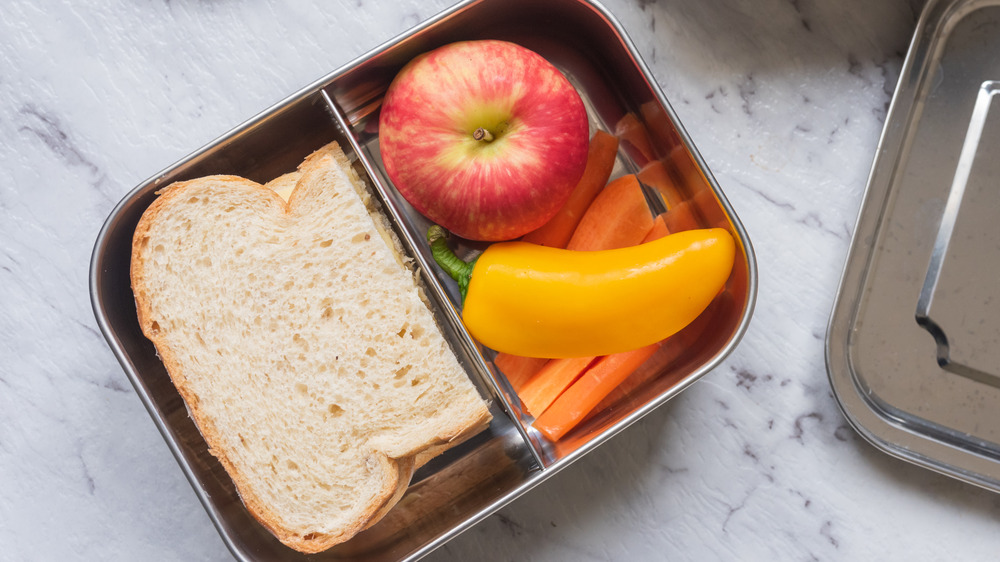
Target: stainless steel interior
914	341
468	483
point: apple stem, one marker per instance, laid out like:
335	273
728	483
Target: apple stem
482	134
454	266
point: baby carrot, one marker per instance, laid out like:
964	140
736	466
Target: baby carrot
659	229
573	405
681	217
631	130
600	161
657	175
619	217
551	381
517	369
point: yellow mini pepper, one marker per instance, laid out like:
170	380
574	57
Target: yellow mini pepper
536	301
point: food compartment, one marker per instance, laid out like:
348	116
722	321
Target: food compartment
621	98
459	481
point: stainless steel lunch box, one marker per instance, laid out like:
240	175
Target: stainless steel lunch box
471	481
913	346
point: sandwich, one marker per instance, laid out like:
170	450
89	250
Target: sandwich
299	339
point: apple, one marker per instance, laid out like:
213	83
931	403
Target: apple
485	138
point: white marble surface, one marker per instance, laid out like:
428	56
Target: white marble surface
785	100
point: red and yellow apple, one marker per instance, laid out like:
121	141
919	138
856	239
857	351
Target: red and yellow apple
485	138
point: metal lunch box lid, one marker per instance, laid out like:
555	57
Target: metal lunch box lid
913	345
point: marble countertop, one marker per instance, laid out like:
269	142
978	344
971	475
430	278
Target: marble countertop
784	99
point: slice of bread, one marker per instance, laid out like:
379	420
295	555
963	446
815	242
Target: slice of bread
301	346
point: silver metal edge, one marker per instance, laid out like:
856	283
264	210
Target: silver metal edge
860	411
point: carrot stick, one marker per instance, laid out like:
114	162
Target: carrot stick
658	231
584	394
619	217
600	161
631	130
518	369
657	175
551	381
681	218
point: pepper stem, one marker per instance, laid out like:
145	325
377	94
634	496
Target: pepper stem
454	266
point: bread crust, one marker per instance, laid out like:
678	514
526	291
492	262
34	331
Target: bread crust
395	473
